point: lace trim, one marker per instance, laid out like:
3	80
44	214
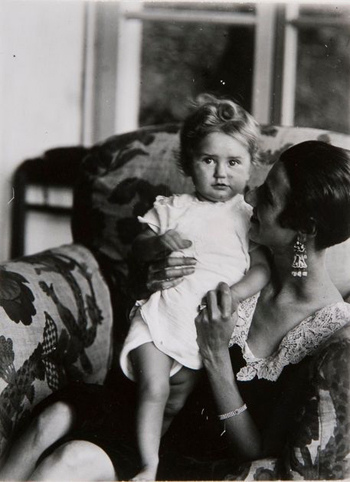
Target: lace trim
302	340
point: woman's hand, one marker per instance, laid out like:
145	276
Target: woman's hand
164	271
172	241
169	272
149	246
215	323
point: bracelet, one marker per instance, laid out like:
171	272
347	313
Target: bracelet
234	413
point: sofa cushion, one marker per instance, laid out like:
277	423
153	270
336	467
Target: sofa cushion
56	326
121	177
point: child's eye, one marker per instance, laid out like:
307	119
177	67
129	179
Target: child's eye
233	162
208	160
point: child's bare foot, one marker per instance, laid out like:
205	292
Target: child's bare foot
147	473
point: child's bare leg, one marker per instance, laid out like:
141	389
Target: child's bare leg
181	385
52	424
152	369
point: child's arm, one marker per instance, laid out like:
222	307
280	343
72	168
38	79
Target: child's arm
256	278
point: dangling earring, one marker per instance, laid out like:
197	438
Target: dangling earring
299	264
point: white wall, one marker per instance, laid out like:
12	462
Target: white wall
41	66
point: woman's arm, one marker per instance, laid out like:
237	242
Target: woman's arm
214	329
255	280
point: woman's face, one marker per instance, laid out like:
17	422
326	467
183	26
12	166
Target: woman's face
268	202
221	167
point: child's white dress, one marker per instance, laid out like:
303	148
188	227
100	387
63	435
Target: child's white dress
219	235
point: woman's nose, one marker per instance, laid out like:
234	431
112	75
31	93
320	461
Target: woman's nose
250	196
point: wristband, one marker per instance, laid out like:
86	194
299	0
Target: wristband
234	413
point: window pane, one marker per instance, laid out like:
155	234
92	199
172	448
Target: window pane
181	60
323	75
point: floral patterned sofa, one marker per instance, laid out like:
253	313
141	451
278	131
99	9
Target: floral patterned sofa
63	311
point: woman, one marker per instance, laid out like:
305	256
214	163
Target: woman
302	208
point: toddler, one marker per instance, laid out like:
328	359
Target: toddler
218	144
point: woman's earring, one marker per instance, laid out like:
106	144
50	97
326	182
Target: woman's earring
299	264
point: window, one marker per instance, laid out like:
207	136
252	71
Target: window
187	48
286	63
199	51
318	42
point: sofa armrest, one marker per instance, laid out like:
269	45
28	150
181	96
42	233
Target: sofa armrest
56	326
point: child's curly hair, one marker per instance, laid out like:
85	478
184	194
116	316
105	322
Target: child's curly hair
216	115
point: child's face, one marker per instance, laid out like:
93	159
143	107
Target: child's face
221	167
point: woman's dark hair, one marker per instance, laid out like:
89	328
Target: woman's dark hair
216	115
319	199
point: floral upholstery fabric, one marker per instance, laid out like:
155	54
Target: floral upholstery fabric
55	318
121	177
